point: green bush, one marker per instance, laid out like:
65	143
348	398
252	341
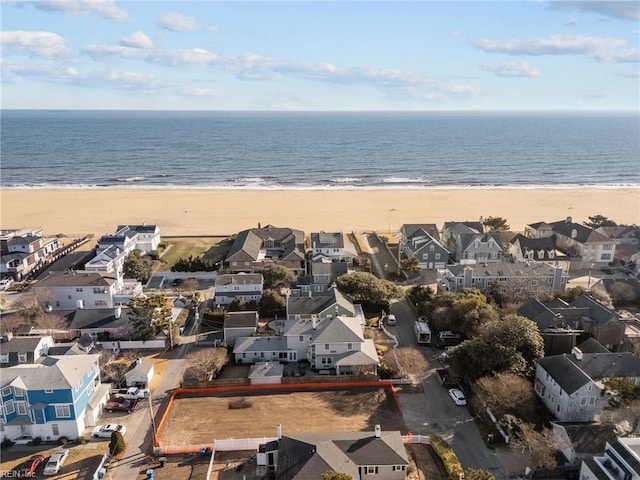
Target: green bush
447	455
116	444
154	254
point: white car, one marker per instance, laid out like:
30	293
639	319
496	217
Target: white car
55	462
457	396
105	431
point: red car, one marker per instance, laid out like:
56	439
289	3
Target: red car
115	404
28	470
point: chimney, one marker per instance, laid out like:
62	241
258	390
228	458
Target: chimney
314	322
279	431
577	352
568	220
378	432
7	336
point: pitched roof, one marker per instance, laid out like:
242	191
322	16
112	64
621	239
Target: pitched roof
250	242
598	311
578	232
20	345
409	229
319	303
78	278
589	438
239	279
546	245
327	240
565	372
241	319
96	318
308	456
338	330
591	345
535	310
53	373
259	344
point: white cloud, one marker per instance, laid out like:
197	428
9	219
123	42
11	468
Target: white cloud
41	44
100	52
518	68
16	71
571	22
625	10
202	92
136	40
177	22
102	8
601	49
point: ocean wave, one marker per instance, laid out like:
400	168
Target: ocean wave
130	179
404	180
345	180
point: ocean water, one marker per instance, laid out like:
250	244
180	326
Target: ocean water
278	150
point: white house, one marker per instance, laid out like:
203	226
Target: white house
239	324
140	373
572	385
22	251
132	237
332	246
238	286
621	461
82	289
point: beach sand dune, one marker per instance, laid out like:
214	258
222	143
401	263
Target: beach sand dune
222	212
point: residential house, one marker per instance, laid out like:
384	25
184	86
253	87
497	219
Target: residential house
523	249
58	397
21	350
140	373
557	335
620	461
245	287
329	344
421	241
627	240
239	324
132	237
22	251
515	281
595	319
82	289
323	275
469	244
591	247
101	323
110	259
572	385
332	303
334	247
254	249
360	455
580	441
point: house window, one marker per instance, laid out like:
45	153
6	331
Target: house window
6	391
4	358
349	346
398	468
21	408
607	247
534	283
78	289
99	290
370	470
55	430
1	424
425	256
326	346
301	339
63	411
9	407
431	248
22	357
101	303
592	401
605	256
18	392
48	391
68	297
583	401
326	361
437	256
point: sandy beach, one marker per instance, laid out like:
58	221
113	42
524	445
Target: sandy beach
222	212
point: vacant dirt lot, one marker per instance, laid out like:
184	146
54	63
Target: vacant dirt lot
196	420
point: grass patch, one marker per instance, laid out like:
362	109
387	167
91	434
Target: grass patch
213	249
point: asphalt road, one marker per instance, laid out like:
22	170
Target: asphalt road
432	412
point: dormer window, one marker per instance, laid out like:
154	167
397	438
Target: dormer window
22	357
268	242
4	358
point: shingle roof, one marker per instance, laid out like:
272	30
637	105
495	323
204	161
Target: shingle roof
431	229
241	319
583	234
535	310
259	344
53	373
589	438
591	345
250	242
564	371
239	279
327	240
96	318
20	345
78	278
319	303
308	456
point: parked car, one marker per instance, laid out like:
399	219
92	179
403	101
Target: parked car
457	396
5	283
132	393
28	469
105	431
56	461
116	404
23	440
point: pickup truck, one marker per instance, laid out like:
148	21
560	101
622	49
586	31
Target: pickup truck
133	393
442	374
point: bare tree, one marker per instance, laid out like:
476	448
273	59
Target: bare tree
51	321
114	371
189	285
627	419
204	363
542	444
31	305
622	293
506	392
409	362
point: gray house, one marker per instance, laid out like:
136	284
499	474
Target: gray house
21	350
468	243
322	276
239	324
332	303
422	242
307	456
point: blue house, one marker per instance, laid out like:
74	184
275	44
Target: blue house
58	397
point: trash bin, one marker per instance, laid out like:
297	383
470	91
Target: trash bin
149	474
162	461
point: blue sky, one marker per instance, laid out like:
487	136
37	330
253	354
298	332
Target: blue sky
303	55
